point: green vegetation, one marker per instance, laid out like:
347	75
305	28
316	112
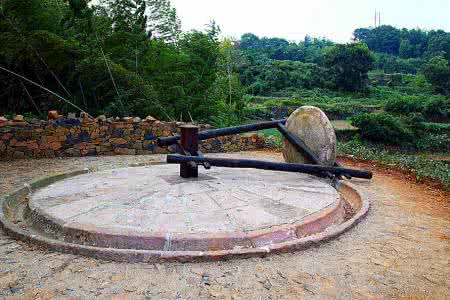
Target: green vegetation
123	57
274	133
437	72
421	165
382	127
349	65
130	57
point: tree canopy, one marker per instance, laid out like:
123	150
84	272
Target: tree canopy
349	65
121	57
130	57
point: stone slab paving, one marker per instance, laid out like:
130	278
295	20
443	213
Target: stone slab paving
154	199
400	251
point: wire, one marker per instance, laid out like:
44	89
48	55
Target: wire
45	89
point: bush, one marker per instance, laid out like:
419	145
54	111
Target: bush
433	108
437	109
382	127
439	128
402	106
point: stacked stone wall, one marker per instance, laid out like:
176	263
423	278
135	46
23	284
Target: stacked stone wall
75	137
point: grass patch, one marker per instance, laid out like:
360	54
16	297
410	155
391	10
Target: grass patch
275	133
421	165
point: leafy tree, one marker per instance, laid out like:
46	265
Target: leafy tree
439	44
408	43
120	57
384	38
413	43
361	34
184	74
437	72
249	41
349	65
230	60
310	50
32	46
394	64
200	73
163	21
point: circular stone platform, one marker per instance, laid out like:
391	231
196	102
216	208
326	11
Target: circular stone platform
152	208
149	213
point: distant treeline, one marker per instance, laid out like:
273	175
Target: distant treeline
406	43
395	50
130	57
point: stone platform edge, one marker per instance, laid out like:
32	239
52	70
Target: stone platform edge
119	239
8	202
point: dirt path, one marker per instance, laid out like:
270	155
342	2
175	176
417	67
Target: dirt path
400	251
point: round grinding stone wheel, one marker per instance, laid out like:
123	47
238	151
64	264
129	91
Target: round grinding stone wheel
312	126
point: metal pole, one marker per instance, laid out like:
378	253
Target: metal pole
189	143
209	134
265	165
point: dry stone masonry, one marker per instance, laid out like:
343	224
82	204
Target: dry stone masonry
71	136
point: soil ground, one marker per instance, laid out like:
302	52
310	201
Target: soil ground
400	251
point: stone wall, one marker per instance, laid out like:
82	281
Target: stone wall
69	137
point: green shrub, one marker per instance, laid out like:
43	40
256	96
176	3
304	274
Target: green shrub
432	108
438	128
382	127
437	109
415	120
402	106
278	138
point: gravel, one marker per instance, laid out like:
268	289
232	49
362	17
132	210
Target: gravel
399	251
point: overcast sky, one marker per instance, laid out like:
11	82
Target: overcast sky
293	19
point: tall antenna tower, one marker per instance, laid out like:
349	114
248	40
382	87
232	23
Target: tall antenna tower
377	18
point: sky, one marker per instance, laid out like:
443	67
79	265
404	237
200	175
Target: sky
293	19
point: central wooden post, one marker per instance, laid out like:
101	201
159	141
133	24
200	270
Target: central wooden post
189	143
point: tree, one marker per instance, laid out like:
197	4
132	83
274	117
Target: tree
437	72
361	34
406	50
31	45
202	52
349	65
183	74
249	41
413	43
163	21
119	57
230	60
439	44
